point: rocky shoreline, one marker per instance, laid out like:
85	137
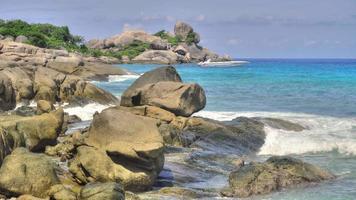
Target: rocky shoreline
148	146
164	47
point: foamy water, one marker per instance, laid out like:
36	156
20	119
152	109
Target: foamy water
121	78
323	133
86	112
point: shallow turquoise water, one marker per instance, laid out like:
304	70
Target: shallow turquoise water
309	86
319	94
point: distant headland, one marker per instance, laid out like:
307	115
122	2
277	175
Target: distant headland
163	47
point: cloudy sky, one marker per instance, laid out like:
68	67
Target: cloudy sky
241	28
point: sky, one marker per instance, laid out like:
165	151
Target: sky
240	28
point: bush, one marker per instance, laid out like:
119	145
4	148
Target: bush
41	35
172	40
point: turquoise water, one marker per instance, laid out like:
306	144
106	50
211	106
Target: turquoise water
309	86
319	94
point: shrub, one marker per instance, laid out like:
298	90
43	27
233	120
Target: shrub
172	40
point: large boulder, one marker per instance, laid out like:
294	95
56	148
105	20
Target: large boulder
162	88
23	172
133	142
34	132
44	107
178	98
167	73
95	165
182	30
40	131
101	191
276	173
66	64
7	93
22	82
156	57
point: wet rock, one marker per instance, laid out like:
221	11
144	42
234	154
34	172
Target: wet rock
282	124
276	173
100	191
25	111
240	136
23	172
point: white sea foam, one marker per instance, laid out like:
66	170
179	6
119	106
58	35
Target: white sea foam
121	78
86	112
323	133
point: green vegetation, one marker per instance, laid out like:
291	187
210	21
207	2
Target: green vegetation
41	35
191	37
172	40
132	50
56	37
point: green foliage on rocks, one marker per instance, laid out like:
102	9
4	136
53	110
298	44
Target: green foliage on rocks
41	35
173	40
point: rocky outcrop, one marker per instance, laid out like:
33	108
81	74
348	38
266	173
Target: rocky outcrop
178	98
275	174
156	57
33	132
22	84
180	47
184	30
167	73
23	172
19	54
162	88
121	40
133	153
100	191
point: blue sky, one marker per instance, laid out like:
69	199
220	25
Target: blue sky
253	28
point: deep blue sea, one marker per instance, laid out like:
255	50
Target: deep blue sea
320	94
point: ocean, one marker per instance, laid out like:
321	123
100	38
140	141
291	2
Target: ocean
319	94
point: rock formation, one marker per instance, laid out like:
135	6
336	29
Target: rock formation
163	88
162	50
275	174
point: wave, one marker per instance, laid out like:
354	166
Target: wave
121	78
86	112
323	133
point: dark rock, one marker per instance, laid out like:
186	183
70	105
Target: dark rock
25	111
276	173
282	124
